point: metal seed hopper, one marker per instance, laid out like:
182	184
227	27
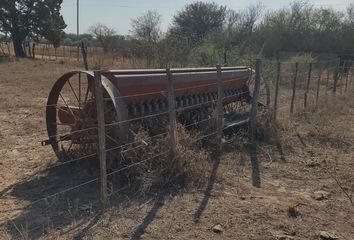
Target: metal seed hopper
134	94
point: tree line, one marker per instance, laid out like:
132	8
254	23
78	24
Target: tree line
200	34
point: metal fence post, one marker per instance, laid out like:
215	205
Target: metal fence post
171	111
254	110
277	90
101	138
294	88
219	108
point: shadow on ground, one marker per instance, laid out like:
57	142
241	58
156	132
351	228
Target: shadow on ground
77	211
49	209
213	175
74	212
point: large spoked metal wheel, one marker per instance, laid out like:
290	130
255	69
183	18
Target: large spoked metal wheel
71	117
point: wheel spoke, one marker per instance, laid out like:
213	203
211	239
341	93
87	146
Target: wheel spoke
61	109
87	92
71	138
68	106
72	89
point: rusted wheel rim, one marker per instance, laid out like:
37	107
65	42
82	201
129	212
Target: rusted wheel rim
71	117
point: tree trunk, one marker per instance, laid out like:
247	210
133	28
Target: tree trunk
19	52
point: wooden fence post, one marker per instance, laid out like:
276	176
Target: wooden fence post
351	77
335	82
294	88
327	82
101	138
78	52
347	77
220	113
341	79
172	112
84	55
8	48
48	52
33	50
254	109
43	52
277	90
319	84
308	85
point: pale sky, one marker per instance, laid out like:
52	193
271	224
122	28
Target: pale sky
118	13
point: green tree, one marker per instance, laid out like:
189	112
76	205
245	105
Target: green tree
199	19
146	29
103	34
35	18
241	26
290	29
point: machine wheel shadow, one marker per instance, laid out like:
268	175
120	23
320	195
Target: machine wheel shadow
49	209
74	212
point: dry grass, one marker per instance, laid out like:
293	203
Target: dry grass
187	170
302	154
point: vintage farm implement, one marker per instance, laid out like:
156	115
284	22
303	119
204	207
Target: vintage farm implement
139	97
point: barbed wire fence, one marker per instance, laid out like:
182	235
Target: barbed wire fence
293	88
71	54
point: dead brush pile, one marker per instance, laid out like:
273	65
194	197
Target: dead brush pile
154	168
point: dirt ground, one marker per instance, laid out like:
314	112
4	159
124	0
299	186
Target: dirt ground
296	186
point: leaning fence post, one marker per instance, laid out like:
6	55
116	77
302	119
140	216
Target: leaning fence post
171	111
219	109
277	90
254	109
308	85
101	138
319	85
294	88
